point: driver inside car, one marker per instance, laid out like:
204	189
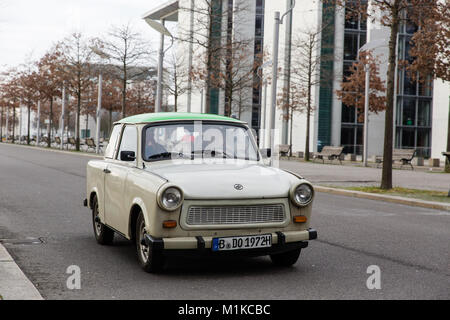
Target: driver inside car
153	148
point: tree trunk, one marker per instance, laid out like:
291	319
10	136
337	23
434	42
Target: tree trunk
176	102
28	123
7	123
386	177
447	161
308	111
110	120
68	129
77	127
1	124
124	91
14	125
49	133
87	127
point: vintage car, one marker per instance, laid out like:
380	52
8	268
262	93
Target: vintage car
185	183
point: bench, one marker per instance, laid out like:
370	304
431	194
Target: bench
447	163
447	155
405	156
44	141
72	142
330	153
58	142
90	143
284	149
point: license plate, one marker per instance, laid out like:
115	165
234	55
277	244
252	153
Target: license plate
245	242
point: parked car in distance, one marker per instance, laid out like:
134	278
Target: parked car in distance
186	183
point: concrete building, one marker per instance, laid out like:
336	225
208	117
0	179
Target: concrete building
421	112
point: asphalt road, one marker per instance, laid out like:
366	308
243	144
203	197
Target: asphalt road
41	196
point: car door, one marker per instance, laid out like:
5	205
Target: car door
116	208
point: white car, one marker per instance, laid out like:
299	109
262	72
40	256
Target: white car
184	183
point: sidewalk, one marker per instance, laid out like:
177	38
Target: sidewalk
350	176
14	285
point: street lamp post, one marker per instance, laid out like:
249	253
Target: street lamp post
102	55
260	74
367	47
366	114
276	40
164	32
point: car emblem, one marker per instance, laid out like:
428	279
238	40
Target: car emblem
238	187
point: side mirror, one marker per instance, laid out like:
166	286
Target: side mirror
266	153
127	156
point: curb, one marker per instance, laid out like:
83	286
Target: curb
14	285
82	154
386	198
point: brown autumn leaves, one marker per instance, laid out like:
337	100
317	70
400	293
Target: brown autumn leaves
429	57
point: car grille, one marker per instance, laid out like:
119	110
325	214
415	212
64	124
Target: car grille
267	213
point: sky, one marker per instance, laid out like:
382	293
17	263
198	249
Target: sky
28	28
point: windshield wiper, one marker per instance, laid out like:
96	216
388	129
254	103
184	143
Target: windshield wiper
163	155
212	152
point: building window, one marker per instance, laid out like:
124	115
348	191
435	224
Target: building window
351	127
414	103
85	133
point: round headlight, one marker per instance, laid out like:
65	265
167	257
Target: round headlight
302	194
170	198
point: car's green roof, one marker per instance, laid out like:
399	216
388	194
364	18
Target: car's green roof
171	116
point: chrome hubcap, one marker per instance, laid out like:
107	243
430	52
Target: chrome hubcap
143	248
98	225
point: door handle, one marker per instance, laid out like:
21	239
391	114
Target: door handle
106	171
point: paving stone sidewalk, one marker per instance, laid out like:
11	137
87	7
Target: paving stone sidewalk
346	175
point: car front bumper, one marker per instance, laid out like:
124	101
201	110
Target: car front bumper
281	242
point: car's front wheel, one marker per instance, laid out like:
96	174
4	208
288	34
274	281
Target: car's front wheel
150	260
103	234
286	259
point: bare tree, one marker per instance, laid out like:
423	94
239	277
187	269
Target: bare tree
125	49
48	81
176	83
28	93
76	53
213	43
11	94
141	96
304	76
234	75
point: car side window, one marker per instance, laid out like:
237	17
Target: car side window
109	152
129	140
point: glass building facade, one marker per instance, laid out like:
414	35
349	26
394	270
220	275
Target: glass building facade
259	47
355	36
414	102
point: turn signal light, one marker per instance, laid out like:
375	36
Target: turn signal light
300	219
169	224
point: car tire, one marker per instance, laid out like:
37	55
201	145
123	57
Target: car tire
150	260
103	234
286	259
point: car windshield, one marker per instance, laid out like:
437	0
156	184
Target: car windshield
189	140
